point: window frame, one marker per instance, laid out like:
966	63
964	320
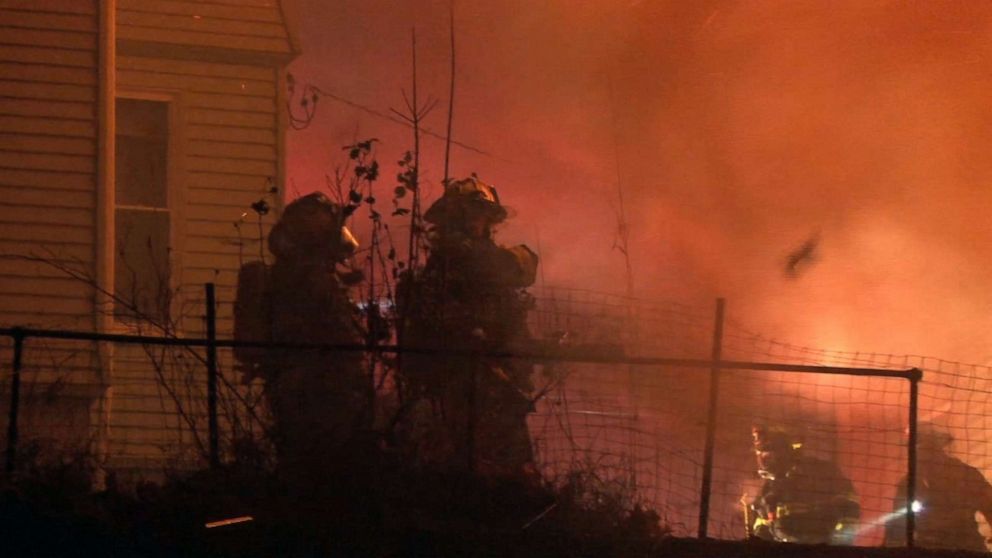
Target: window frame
174	202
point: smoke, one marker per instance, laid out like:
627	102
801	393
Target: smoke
738	131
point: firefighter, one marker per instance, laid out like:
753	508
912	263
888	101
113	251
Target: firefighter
468	298
802	499
947	495
317	397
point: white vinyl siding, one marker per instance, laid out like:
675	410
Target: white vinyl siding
245	25
48	191
48	92
219	63
230	156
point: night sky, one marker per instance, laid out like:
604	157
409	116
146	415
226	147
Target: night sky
738	130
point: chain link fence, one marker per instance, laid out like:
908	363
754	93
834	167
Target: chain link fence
623	403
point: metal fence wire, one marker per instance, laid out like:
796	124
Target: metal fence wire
651	403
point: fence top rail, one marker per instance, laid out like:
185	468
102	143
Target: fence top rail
576	354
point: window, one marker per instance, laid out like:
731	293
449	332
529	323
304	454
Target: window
141	210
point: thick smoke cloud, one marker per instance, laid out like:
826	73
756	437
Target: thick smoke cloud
739	130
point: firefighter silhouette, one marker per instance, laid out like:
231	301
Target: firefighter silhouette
316	397
467	302
802	499
948	492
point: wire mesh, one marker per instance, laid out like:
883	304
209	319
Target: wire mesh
633	433
56	402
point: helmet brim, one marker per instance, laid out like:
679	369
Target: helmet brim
446	207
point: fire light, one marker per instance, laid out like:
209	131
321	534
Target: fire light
230	521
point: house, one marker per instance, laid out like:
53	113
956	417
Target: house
134	136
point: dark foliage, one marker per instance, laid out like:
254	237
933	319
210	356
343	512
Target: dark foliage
366	503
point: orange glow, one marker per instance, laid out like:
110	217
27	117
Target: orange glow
739	128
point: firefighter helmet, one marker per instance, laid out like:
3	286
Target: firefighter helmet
312	225
931	436
464	198
774	438
775	449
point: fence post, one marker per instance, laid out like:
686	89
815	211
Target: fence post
15	401
212	375
704	493
914	397
472	418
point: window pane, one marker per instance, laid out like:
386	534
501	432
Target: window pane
141	152
141	272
